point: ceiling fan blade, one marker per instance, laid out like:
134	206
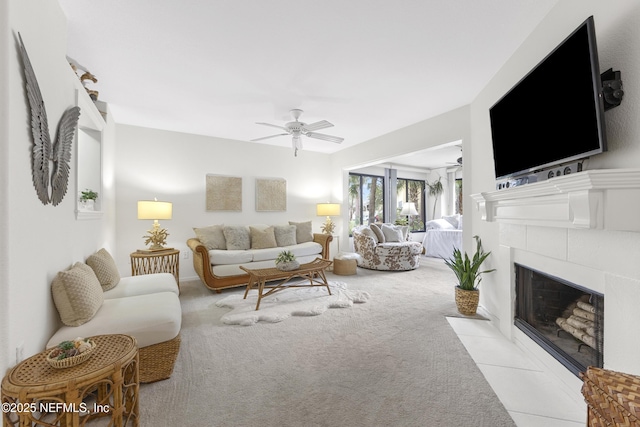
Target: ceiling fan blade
322	124
267	137
273	126
325	137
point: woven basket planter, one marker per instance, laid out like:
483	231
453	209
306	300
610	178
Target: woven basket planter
467	301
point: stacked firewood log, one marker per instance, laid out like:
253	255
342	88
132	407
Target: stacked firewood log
579	321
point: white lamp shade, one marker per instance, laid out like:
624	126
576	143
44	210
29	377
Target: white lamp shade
152	209
328	209
409	209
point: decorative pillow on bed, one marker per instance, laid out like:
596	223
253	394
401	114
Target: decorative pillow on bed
212	237
439	224
303	231
77	294
105	269
262	239
285	235
392	233
453	220
378	232
237	237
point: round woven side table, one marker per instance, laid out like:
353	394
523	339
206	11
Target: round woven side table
106	385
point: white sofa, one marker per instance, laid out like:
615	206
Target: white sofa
93	300
220	250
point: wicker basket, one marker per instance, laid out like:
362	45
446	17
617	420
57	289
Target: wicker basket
467	301
71	361
613	398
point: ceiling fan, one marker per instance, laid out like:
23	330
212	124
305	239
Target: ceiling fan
297	129
458	160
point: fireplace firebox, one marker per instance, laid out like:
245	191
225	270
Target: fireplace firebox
565	319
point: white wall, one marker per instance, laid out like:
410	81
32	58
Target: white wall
37	240
614	254
172	167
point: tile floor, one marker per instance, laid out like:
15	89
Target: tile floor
532	395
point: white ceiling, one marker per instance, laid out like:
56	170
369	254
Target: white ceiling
215	67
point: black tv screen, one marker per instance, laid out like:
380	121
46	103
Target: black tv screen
555	114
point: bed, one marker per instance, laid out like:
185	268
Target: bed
443	236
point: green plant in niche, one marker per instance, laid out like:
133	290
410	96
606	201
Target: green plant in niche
285	256
88	195
468	270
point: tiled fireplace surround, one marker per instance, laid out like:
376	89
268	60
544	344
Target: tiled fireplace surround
583	228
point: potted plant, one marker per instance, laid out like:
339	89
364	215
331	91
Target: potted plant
286	261
88	199
435	190
469	277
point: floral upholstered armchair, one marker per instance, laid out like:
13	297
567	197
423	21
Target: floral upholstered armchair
386	247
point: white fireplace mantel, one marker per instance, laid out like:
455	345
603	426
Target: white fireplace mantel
593	199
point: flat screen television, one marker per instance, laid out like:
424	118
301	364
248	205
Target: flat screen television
555	114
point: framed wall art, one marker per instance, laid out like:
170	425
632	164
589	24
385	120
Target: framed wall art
224	193
271	194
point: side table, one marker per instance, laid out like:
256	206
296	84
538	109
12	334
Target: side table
164	261
107	384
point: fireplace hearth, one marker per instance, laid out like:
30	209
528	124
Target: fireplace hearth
564	318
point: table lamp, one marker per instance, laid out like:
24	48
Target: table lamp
409	209
155	210
328	210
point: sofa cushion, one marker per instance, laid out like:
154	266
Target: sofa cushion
262	239
151	319
392	233
237	237
220	257
285	235
304	231
77	294
105	268
143	284
212	237
378	232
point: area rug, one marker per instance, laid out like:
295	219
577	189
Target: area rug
289	302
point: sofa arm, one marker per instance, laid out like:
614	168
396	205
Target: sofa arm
201	261
324	240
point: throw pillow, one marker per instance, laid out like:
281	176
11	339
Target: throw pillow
378	232
391	233
212	237
368	232
285	235
303	231
77	294
104	266
262	239
237	237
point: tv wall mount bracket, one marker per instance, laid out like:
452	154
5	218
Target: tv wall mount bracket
611	88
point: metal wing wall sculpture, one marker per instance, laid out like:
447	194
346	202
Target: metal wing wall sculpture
49	163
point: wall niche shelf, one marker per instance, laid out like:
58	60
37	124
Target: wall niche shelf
593	199
89	155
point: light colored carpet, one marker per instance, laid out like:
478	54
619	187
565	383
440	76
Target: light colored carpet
285	303
393	361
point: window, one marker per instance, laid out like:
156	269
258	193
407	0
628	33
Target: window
459	196
366	200
411	190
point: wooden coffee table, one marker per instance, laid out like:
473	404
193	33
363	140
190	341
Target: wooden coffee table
313	271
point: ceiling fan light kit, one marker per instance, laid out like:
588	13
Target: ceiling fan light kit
297	129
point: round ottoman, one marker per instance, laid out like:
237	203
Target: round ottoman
344	267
